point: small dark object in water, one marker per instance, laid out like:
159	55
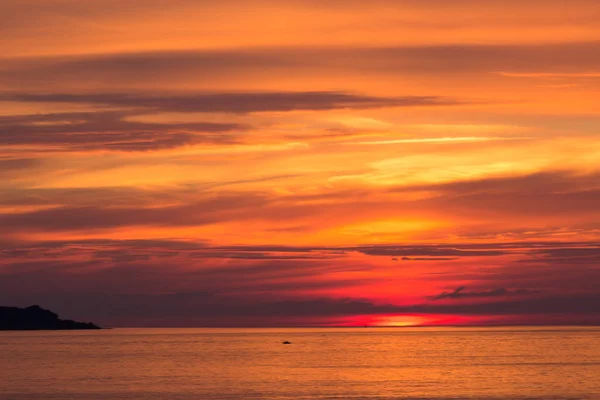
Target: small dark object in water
286	342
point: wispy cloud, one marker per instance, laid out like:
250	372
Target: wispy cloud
440	140
460	293
551	75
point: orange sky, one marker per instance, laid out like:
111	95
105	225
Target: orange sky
392	162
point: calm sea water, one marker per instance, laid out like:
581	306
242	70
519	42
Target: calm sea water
359	364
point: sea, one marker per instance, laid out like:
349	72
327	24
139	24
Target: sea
320	363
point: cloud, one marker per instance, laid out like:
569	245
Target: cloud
577	305
435	251
242	102
548	182
550	194
103	284
253	255
18	163
11	166
202	284
589	251
441	140
572	256
117	131
459	293
204	68
203	249
211	209
205	308
555	197
106	131
551	75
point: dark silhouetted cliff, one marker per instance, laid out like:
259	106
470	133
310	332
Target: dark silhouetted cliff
36	318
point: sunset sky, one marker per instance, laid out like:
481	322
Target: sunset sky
301	162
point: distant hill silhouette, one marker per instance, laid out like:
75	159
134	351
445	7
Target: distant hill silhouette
36	318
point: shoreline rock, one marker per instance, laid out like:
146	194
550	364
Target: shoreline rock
35	318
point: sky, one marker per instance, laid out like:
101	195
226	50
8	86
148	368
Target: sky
301	162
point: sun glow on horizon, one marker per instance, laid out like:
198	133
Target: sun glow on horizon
392	321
